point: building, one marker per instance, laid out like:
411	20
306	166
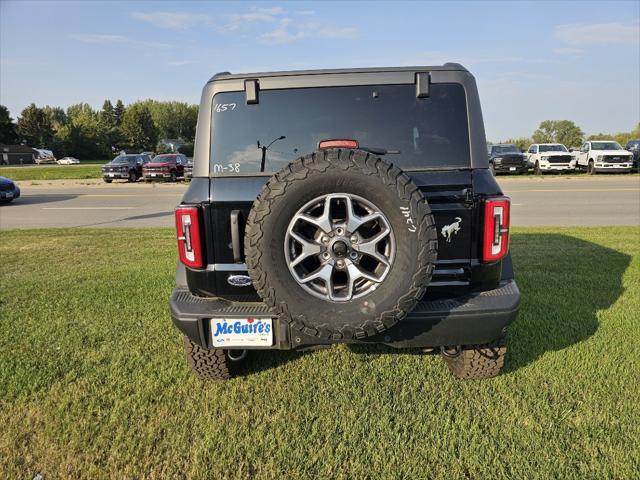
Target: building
16	155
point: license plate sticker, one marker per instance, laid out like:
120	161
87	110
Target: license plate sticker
242	332
513	169
112	174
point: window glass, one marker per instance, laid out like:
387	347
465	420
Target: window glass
416	132
553	148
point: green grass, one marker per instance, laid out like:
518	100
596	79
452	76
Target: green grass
92	169
93	383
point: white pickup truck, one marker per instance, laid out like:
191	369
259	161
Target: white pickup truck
550	157
603	156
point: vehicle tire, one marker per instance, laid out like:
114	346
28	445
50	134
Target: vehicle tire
478	361
492	168
209	364
536	169
591	169
133	177
348	301
172	177
107	180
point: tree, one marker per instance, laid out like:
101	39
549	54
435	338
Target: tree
173	119
57	116
558	131
137	129
34	126
521	142
107	115
7	127
84	136
622	138
118	112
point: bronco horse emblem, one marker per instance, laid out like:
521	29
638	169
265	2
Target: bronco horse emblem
448	230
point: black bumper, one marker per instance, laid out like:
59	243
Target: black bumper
499	168
477	318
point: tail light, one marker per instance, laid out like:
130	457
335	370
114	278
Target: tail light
188	233
338	144
496	229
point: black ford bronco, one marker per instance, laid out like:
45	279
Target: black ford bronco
343	206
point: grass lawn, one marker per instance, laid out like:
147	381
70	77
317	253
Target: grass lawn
93	383
88	169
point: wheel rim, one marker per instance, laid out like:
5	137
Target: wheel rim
339	247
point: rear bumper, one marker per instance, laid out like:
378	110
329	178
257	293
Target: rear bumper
477	318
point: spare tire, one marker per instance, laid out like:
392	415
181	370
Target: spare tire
340	244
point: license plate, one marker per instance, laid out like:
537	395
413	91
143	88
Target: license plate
10	195
512	169
153	174
242	332
112	174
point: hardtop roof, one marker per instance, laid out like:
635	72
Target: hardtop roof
235	76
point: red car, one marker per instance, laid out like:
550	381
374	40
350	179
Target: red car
169	166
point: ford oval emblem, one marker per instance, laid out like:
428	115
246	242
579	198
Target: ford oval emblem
239	280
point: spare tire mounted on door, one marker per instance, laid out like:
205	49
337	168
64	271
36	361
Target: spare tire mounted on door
341	244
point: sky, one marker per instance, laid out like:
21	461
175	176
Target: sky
532	60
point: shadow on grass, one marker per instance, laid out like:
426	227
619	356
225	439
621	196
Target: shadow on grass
564	281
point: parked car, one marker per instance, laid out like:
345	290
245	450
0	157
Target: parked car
42	156
506	158
341	245
550	157
9	191
188	170
604	156
126	166
166	166
68	161
633	146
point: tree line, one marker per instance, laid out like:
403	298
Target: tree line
83	132
86	133
569	134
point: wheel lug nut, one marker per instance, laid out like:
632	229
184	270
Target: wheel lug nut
325	239
354	239
326	255
339	231
340	263
353	255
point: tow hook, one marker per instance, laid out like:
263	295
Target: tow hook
451	352
236	358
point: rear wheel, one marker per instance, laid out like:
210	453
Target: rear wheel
107	180
133	176
172	177
211	364
478	361
591	169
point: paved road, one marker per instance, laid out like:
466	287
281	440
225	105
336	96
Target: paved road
604	200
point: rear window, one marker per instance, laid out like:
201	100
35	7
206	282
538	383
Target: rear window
417	132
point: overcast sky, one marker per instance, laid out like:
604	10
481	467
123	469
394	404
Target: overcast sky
532	60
